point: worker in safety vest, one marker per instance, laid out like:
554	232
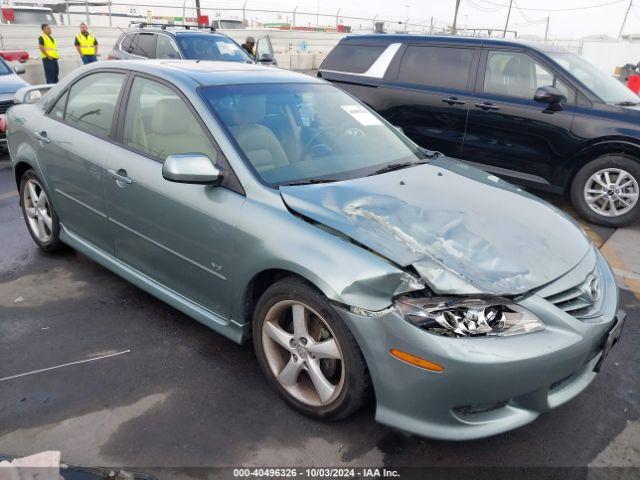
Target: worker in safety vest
86	45
49	54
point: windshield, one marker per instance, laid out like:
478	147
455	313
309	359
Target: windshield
211	47
33	17
291	133
604	86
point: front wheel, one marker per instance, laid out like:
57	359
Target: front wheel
605	191
307	353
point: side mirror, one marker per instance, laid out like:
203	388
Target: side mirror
550	95
191	168
19	69
30	93
265	58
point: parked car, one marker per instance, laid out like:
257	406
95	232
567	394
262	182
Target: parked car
534	114
270	205
10	82
166	41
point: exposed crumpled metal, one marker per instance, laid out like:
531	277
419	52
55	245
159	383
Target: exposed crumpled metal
464	231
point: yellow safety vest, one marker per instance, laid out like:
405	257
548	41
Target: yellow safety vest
49	47
87	44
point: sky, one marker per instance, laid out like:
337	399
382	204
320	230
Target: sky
568	18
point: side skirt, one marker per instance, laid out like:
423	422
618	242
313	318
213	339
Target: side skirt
230	329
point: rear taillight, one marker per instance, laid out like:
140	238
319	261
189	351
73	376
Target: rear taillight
3	124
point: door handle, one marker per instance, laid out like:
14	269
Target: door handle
453	101
486	106
120	177
42	136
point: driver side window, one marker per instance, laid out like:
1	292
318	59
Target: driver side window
516	74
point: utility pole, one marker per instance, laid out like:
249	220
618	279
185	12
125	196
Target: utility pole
455	18
506	24
546	30
337	18
625	19
293	21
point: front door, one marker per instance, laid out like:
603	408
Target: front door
508	132
73	138
180	235
430	98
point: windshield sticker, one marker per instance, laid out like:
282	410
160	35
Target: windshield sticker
363	116
227	48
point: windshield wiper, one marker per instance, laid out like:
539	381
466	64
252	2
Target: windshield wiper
627	103
309	181
396	166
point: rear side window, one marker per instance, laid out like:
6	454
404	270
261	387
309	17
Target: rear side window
144	45
436	66
352	58
127	43
92	102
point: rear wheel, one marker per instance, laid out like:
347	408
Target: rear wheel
307	353
39	215
605	191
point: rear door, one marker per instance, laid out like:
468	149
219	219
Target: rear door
430	95
508	132
73	139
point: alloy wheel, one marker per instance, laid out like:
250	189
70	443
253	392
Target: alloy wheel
611	192
38	210
303	353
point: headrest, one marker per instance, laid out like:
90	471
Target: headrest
169	116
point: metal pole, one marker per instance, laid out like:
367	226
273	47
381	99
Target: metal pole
293	23
318	14
68	16
337	21
546	30
625	19
455	18
110	20
374	22
198	12
86	8
244	17
406	18
506	24
431	27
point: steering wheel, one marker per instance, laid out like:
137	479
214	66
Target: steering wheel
310	144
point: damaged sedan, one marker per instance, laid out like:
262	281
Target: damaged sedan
273	207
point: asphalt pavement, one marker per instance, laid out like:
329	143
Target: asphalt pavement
94	367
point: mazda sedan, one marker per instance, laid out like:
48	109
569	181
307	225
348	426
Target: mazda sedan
271	206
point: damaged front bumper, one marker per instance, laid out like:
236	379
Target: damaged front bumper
490	384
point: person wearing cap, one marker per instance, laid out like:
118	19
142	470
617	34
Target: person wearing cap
248	45
86	45
49	54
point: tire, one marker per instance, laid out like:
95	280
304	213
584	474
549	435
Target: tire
618	166
348	375
39	214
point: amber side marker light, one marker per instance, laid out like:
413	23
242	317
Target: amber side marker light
416	361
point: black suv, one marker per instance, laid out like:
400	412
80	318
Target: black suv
154	40
537	114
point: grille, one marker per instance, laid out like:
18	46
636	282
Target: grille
580	300
4	106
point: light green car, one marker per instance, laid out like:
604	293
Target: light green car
272	206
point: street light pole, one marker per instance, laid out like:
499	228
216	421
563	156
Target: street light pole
506	24
406	19
455	18
546	30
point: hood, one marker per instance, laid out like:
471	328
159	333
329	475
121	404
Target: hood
10	82
463	230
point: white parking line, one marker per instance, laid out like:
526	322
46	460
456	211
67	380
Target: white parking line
63	365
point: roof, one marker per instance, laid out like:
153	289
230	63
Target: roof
384	39
210	73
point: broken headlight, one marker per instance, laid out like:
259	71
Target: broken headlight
455	317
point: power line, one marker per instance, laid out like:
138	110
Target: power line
558	9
